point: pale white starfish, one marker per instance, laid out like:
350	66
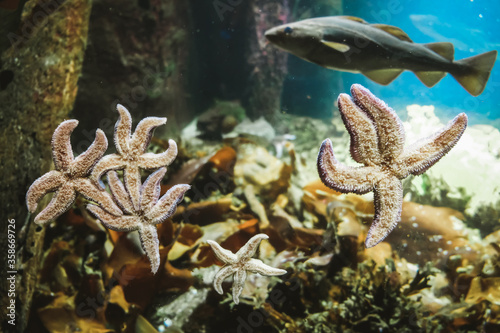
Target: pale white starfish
149	212
70	176
131	153
239	263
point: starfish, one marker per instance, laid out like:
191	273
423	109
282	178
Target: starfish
69	176
377	141
131	152
150	210
239	263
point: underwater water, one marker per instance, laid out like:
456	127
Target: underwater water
469	25
200	167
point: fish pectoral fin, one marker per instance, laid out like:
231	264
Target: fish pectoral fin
394	31
383	76
444	49
430	78
336	46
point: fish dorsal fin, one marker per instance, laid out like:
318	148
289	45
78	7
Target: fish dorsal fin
353	18
336	46
383	76
430	78
444	49
394	31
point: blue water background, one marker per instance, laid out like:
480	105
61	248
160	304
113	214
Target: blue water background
472	26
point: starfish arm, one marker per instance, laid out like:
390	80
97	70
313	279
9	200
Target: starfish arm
364	141
60	203
151	245
143	133
62	153
92	192
225	256
166	206
107	163
153	161
424	153
239	283
390	130
120	194
116	223
340	177
221	275
150	190
82	165
49	182
132	180
257	266
249	249
122	130
388	202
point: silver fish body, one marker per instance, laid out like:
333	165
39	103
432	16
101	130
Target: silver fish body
380	52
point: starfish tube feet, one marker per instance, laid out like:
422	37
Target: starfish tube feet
221	253
362	150
340	177
166	206
256	266
390	130
84	163
150	245
60	203
221	275
388	200
49	182
62	153
424	153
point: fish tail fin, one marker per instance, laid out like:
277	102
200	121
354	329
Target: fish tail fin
475	71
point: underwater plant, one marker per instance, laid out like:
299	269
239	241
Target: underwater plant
377	141
131	205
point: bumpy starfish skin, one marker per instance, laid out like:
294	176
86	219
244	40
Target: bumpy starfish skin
377	141
150	210
131	155
70	176
239	263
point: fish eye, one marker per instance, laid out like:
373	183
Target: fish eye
288	30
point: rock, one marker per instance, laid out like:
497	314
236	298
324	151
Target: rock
256	166
469	165
259	128
220	119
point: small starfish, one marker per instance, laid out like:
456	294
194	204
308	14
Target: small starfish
70	176
239	263
131	152
377	141
144	217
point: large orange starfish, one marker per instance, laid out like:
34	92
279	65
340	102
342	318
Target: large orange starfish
377	141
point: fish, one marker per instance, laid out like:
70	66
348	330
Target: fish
380	52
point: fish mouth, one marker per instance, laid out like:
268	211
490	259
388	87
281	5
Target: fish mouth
272	34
